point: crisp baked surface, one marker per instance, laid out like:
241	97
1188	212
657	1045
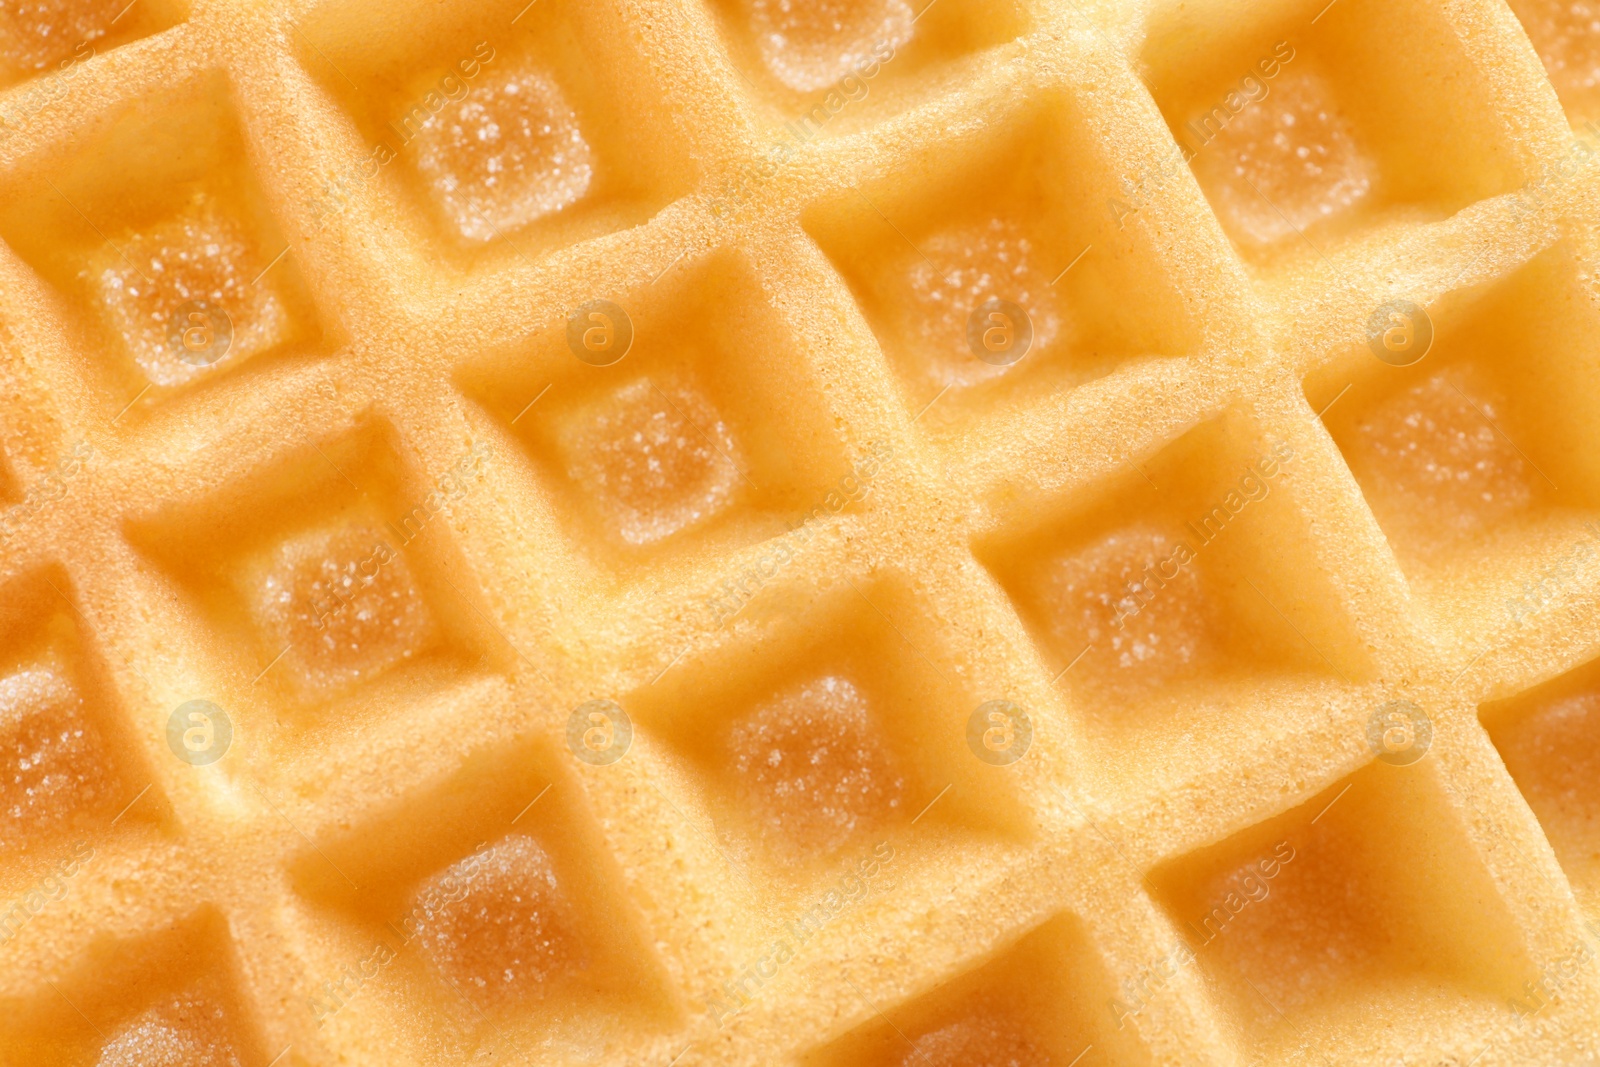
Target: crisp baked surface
526	540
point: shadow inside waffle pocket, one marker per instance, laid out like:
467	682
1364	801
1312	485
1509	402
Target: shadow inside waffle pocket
812	741
1035	1000
50	43
1364	906
1481	461
160	252
74	766
668	452
820	68
1191	585
175	990
492	125
1306	122
324	582
1549	738
991	274
487	896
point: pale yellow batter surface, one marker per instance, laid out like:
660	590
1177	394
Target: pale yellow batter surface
816	533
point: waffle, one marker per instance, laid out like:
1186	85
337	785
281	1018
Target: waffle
763	532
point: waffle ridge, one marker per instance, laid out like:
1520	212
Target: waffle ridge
422	386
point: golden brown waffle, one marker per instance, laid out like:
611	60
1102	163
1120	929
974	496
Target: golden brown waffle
585	600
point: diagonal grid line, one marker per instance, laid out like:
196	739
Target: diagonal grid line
496	628
1282	1016
531	803
932	802
671	665
405	943
1297	630
930	404
892	226
1332	802
1096	27
490	223
532	402
879	1013
132	402
273	664
325	59
1469	666
314	846
86	622
131	803
1334	401
1074	263
703	434
896	629
97	230
1263	997
714	842
1502	433
75	1008
1142	474
1289	224
668	267
269	266
1084	652
1112	845
336	469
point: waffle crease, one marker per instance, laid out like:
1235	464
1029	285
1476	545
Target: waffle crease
383	532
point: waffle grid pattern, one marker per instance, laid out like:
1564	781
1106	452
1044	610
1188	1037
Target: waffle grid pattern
1083	824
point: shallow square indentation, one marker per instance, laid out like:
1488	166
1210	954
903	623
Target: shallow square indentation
849	740
53	38
183	1029
495	123
671	448
1304	124
991	272
1330	917
1039	1002
1566	34
342	602
494	904
156	234
1478	460
1186	589
69	766
830	65
325	581
658	458
164	999
1549	738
